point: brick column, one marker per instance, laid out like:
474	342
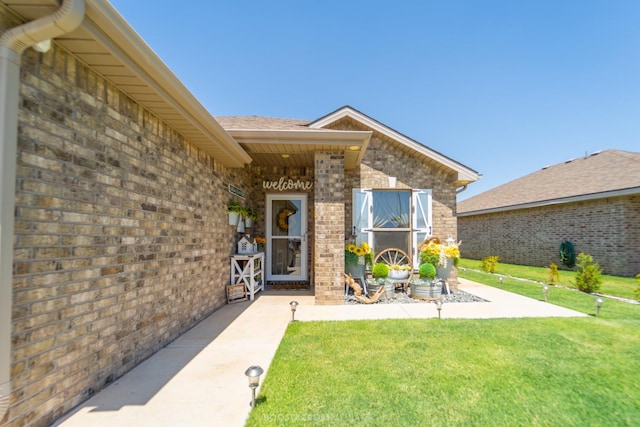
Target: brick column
329	228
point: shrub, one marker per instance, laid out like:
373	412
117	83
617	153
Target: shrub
427	257
554	276
490	264
427	271
380	270
588	277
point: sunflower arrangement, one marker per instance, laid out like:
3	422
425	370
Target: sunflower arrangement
439	251
353	253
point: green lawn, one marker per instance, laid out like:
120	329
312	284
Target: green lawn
611	285
456	372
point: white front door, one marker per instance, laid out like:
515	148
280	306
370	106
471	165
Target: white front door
286	237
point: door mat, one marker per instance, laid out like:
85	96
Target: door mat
278	286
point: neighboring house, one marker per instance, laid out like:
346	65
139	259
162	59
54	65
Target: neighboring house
117	239
593	202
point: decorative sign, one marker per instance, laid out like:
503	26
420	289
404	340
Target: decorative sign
284	184
237	191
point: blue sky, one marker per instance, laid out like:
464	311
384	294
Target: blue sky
504	87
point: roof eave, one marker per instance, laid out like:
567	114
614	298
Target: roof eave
104	23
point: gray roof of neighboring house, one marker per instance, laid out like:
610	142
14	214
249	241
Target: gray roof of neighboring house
602	174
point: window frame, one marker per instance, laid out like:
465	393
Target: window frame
420	211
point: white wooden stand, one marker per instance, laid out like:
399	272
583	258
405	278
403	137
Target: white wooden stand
248	269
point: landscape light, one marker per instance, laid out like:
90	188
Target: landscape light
439	307
253	373
599	302
294	305
545	290
500	280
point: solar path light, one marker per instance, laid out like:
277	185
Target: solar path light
294	305
545	291
599	302
253	373
439	307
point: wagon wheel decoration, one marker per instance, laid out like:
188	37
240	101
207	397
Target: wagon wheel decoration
395	256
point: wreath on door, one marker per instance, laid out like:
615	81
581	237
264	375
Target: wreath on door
282	219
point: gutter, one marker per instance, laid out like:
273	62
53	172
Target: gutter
12	43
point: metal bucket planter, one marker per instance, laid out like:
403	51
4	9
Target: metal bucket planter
444	271
425	289
234	218
355	270
374	284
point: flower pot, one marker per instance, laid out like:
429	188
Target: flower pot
355	270
234	218
374	284
248	223
398	274
425	289
443	271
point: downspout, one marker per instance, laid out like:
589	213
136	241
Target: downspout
12	43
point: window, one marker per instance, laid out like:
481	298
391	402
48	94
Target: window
392	218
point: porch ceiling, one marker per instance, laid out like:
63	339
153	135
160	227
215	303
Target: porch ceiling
295	148
108	45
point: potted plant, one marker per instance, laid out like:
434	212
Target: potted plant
426	287
448	255
399	272
235	211
357	258
380	271
251	215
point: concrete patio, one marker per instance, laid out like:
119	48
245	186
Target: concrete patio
198	380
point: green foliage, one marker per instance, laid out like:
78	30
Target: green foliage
427	271
380	270
427	257
588	276
235	206
554	276
490	264
251	213
638	288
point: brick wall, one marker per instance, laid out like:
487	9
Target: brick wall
121	241
329	228
607	229
385	158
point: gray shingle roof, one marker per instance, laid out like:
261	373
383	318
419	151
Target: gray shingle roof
597	174
257	122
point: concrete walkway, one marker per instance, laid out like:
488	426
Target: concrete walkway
198	380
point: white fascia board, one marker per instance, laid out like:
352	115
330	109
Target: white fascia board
581	198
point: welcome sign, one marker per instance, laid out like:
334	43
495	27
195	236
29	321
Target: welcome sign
284	184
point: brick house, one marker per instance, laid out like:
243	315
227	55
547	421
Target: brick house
593	202
114	234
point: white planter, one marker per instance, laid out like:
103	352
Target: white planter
398	274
